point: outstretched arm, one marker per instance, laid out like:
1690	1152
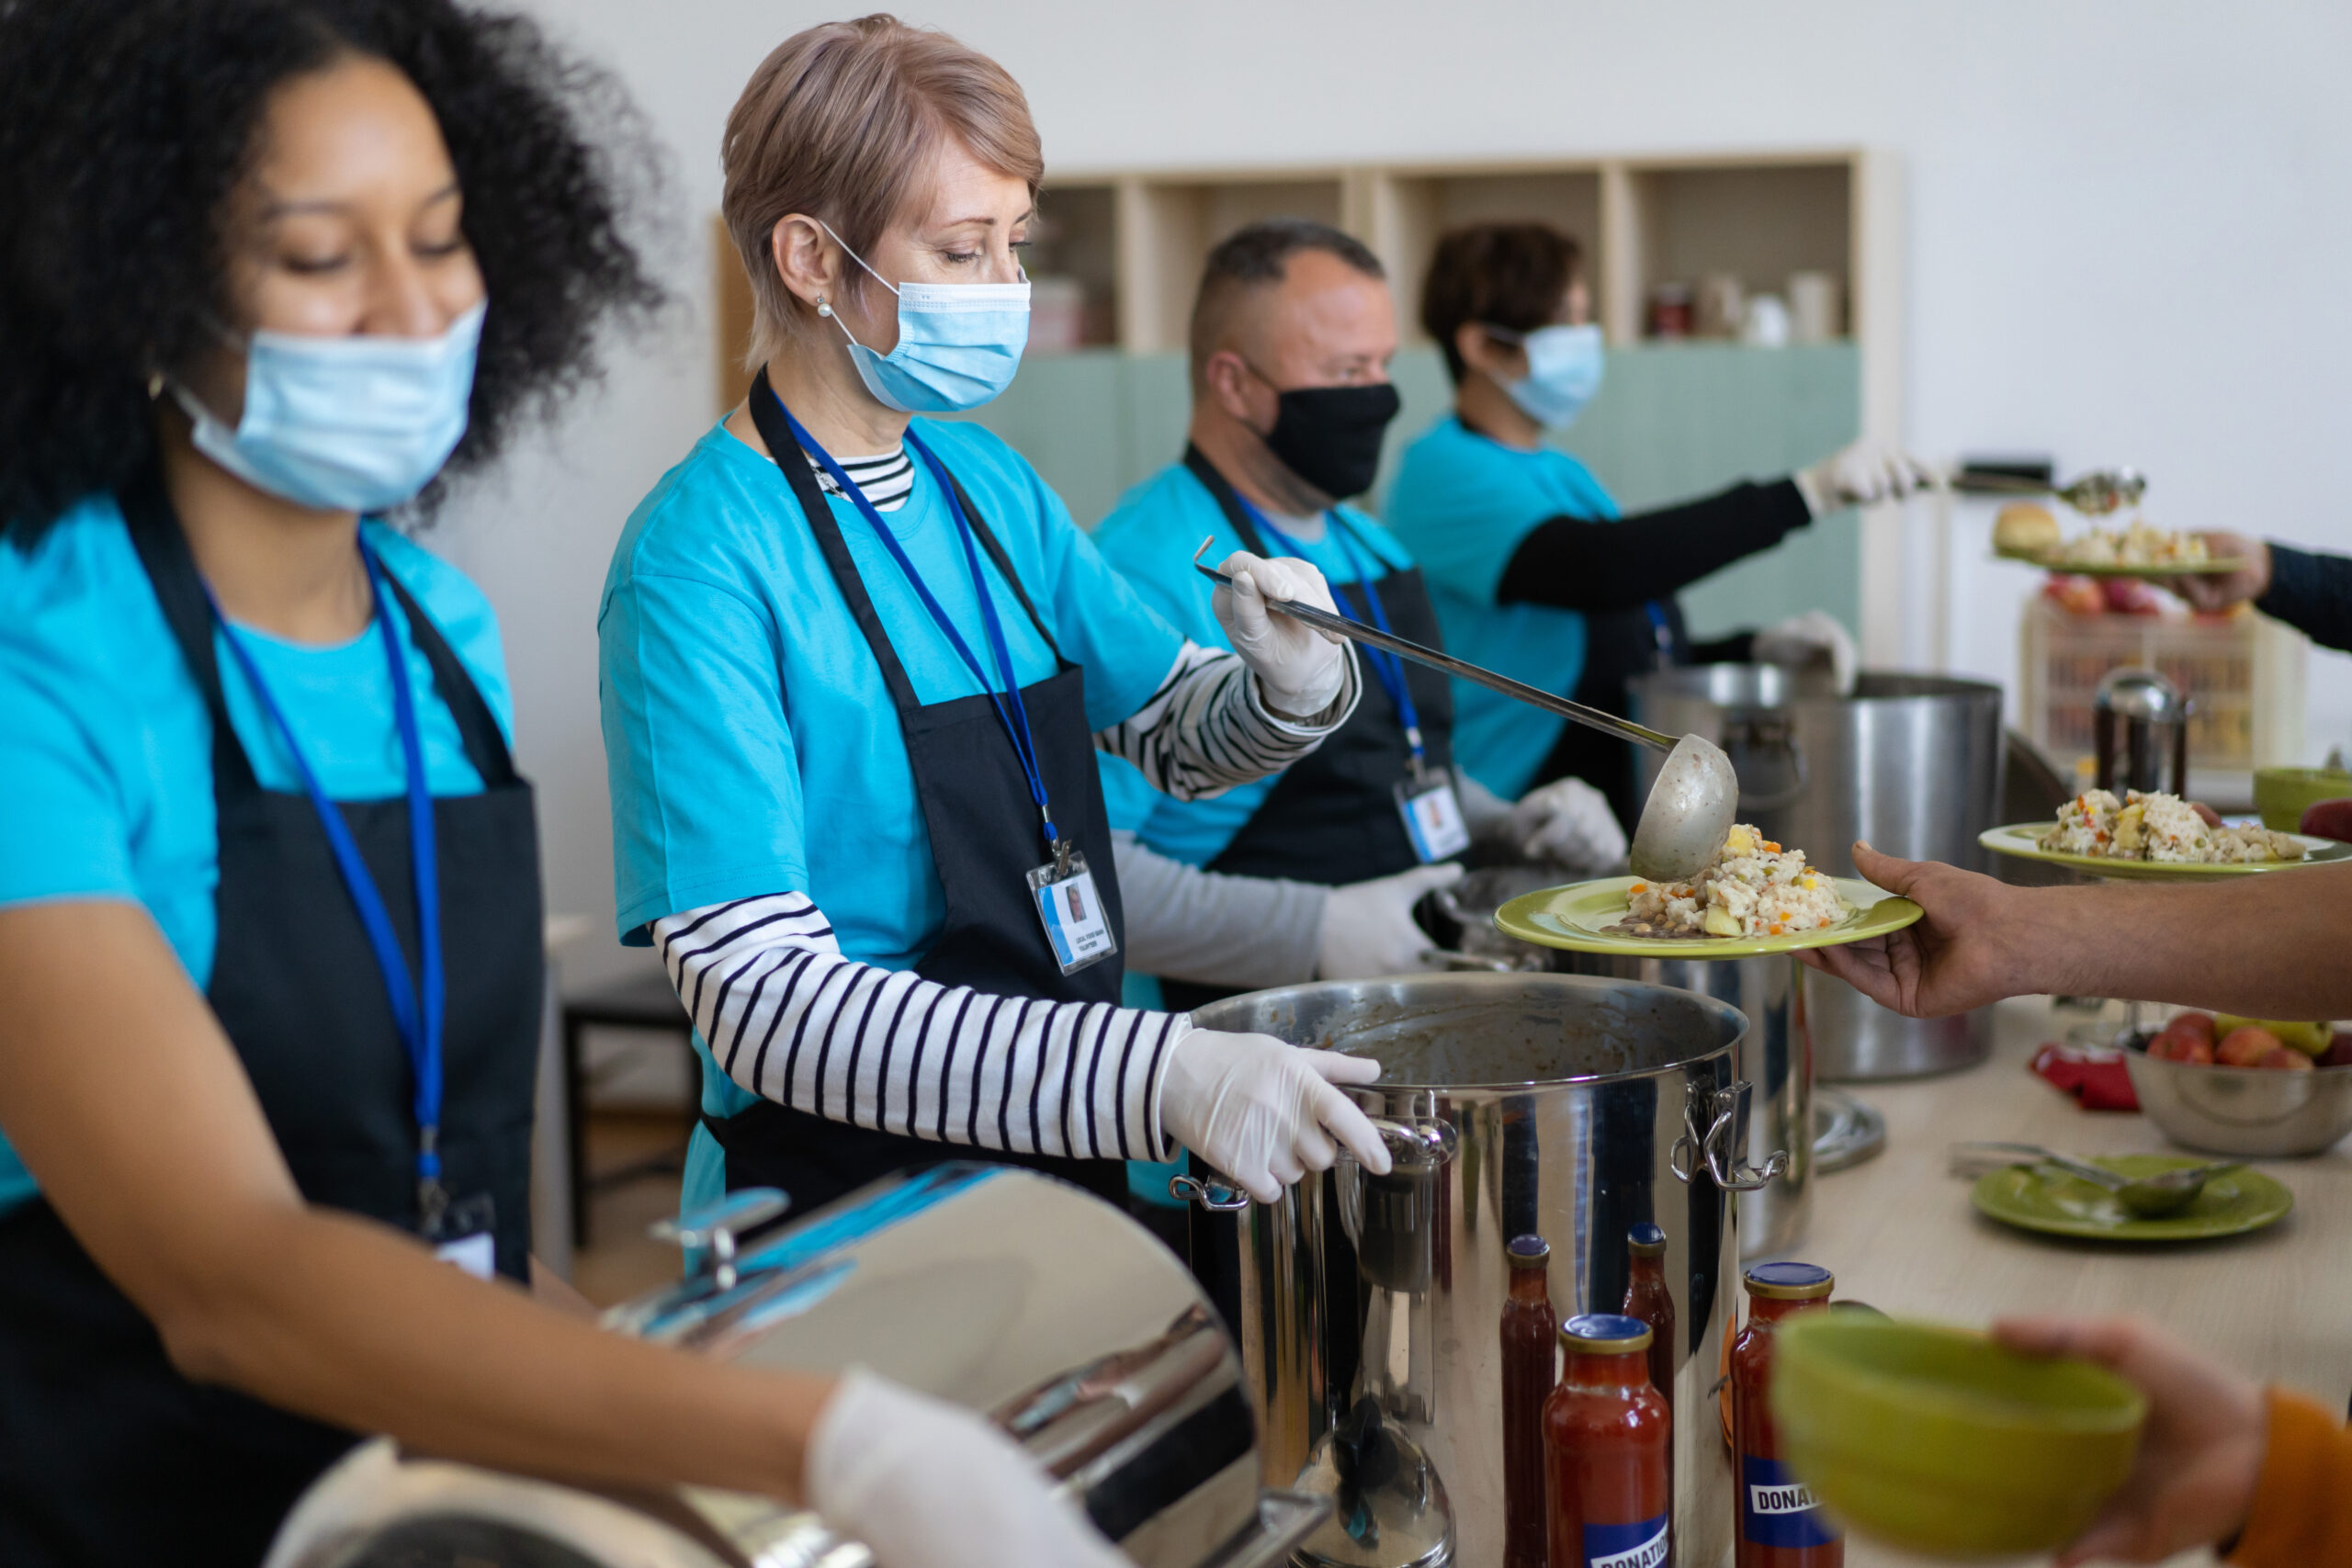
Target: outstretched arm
2270	946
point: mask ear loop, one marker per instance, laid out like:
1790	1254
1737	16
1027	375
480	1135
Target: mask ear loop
824	309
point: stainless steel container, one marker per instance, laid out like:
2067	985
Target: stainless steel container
1000	1290
2140	732
1371	1306
1910	763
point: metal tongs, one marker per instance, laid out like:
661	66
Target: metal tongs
1693	804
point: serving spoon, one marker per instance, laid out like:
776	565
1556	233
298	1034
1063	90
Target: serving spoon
2148	1197
1692	803
2096	494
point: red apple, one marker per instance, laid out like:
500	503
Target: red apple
2329	819
2167	1046
2198	1023
2245	1046
2199	1053
2338	1054
2285	1059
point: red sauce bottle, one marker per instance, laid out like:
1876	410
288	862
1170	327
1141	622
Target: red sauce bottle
1781	1526
1606	1436
1531	1355
1647	1298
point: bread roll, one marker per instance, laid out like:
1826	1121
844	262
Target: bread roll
2025	529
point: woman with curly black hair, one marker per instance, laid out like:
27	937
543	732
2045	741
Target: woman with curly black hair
269	918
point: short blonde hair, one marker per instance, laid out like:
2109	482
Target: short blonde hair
844	122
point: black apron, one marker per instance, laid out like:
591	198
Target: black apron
108	1456
1332	818
984	841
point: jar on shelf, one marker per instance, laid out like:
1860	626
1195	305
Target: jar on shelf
1606	1436
1531	1360
1780	1522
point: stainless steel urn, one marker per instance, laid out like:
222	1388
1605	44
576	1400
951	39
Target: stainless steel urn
1909	763
999	1289
1371	1307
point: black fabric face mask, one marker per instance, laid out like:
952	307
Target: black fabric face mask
1331	437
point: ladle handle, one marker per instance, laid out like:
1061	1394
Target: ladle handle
1534	696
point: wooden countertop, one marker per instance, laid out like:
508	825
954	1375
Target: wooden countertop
1902	1235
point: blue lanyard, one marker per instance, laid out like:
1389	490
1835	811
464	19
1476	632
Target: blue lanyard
1386	668
416	1006
1009	708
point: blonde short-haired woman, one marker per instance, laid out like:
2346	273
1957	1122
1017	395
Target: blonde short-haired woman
857	664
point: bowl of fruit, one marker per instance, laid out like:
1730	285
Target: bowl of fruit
2243	1086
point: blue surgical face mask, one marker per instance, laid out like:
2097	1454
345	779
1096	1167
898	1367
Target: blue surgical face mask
1563	372
345	423
959	344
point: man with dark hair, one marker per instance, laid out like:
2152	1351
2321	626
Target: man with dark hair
1313	875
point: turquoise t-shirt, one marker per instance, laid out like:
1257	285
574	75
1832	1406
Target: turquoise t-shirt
751	744
1150	538
1463	504
107	749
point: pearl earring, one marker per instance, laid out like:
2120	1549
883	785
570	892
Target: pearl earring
823	309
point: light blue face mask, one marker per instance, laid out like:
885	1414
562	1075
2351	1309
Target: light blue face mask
345	423
959	344
1563	372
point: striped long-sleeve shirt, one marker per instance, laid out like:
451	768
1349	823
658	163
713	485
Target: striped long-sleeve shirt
792	1019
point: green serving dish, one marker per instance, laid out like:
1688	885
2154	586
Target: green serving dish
2283	795
1938	1440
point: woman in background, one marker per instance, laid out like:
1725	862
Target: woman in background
269	891
1533	570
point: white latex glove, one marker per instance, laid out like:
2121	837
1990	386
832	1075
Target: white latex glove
1264	1112
1807	638
929	1485
1300	670
1368	927
1568	823
1862	475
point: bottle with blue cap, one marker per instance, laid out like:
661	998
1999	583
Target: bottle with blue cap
1648	1298
1607	1434
1780	1522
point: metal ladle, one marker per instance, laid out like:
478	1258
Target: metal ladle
1692	804
2096	494
2148	1196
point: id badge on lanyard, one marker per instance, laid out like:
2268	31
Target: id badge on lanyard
1062	890
1432	814
460	1231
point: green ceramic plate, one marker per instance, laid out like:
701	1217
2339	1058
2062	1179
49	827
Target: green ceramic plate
1574	917
2037	1199
2216	567
2018	839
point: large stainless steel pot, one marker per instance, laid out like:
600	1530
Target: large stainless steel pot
1371	1307
1003	1291
1909	763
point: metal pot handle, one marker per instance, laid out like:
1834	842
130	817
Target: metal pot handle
1751	734
1430	1142
1727	1112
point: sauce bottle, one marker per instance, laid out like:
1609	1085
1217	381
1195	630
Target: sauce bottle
1647	1298
1781	1525
1606	1436
1530	1356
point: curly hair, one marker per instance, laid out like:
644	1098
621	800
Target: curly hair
125	125
1505	274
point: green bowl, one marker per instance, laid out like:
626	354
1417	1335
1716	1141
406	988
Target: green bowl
2282	794
1940	1441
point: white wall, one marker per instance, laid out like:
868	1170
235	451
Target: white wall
2129	227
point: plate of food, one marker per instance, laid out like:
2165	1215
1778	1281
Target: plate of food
2155	836
1755	898
2039	1198
2031	533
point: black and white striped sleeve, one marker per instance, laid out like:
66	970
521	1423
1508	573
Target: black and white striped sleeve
1207	728
792	1020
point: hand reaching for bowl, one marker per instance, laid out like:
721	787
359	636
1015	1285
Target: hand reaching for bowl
2201	1453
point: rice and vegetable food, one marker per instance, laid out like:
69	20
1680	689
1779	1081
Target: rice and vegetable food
2137	545
2158	828
1755	888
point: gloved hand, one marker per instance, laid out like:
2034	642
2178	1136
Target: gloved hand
1568	822
1300	670
1802	639
1265	1112
1862	475
1368	926
929	1485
